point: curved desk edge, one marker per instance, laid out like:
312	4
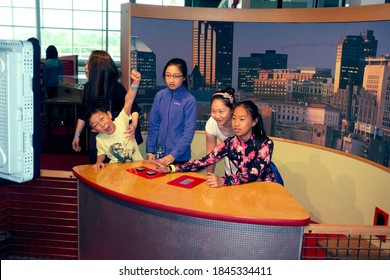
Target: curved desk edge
192	213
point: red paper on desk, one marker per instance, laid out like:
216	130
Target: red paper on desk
186	181
143	172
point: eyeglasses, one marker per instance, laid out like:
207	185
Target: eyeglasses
175	77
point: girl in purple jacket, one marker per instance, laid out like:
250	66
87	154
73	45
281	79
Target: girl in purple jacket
172	119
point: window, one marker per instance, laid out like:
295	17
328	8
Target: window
74	27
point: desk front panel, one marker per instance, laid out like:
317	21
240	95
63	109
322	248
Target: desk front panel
114	229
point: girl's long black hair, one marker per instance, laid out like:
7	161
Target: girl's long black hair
103	72
258	130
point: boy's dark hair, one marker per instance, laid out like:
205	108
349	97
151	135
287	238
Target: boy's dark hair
92	111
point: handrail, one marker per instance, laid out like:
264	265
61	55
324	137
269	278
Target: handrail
346	229
345	242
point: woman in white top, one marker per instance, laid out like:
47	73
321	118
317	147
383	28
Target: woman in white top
219	125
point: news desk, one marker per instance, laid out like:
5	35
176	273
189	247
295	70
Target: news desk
125	216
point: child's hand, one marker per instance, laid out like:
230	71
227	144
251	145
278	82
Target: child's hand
161	167
98	166
130	132
214	180
135	77
168	159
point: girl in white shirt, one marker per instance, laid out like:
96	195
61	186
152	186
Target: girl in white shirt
219	125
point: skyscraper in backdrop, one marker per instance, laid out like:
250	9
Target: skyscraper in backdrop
350	58
144	60
249	68
212	55
377	82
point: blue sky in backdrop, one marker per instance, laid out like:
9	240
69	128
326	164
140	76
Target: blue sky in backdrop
306	44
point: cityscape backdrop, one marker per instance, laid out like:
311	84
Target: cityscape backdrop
322	83
306	44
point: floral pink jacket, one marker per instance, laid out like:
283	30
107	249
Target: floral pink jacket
251	158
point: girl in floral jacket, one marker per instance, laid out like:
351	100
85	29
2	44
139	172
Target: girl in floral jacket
250	150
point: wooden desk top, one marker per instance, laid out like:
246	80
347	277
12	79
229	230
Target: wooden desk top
254	203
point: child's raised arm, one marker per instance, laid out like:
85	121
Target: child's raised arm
132	92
